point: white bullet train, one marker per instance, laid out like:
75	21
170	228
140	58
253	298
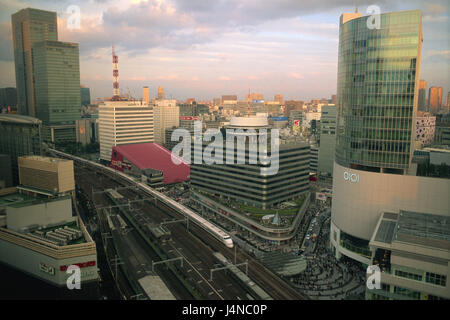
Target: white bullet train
215	231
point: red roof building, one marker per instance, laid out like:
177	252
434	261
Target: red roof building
149	156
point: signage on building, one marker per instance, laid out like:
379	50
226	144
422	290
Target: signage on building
279	118
80	265
188	118
297	123
352	177
321	196
46	268
258	101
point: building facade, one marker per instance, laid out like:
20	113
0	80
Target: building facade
165	117
435	99
421	104
19	136
29	26
327	140
244	183
124	122
376	131
57	88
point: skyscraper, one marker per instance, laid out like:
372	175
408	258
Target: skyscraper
422	96
435	99
377	89
57	88
29	26
161	95
146	95
47	74
85	96
377	85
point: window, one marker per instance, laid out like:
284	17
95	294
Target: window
408	275
437	279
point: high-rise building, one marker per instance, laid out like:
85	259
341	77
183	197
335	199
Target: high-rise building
85	96
421	105
124	122
161	95
47	74
375	131
8	98
334	99
290	105
327	140
57	88
29	26
165	117
435	99
279	98
250	97
146	95
19	136
245	183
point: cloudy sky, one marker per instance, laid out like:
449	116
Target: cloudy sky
206	48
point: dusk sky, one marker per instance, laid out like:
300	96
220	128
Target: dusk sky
204	49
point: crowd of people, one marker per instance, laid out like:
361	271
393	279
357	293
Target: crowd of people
327	278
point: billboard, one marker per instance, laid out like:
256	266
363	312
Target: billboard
321	196
188	118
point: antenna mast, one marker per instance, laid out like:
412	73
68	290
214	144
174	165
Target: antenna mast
115	62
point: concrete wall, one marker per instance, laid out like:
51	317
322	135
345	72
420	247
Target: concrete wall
42	214
30	261
357	205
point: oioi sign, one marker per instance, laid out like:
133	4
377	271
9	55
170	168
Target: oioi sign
352	177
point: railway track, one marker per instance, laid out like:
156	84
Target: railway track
274	285
183	245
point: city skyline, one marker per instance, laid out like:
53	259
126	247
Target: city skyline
286	48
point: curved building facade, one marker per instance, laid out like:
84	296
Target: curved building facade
378	76
378	72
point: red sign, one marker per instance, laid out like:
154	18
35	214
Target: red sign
296	122
188	118
80	265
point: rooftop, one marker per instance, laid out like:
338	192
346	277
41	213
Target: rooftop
414	228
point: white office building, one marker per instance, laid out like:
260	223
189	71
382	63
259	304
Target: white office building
124	122
165	117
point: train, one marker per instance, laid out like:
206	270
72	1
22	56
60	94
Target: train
212	229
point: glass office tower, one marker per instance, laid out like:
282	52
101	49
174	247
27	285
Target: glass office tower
29	26
378	74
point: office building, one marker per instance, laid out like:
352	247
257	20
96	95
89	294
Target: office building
8	98
57	88
244	183
19	136
313	159
124	122
85	96
51	175
87	130
412	250
161	95
421	104
165	117
47	74
229	97
279	98
425	128
146	95
375	131
254	97
327	140
442	133
29	26
435	99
